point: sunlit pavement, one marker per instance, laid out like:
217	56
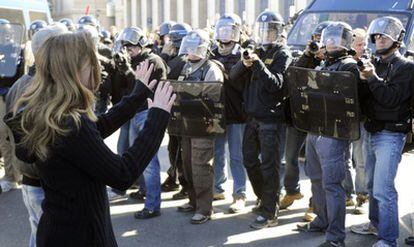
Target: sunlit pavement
173	228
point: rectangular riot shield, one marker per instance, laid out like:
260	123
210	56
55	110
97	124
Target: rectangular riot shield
324	102
198	110
11	37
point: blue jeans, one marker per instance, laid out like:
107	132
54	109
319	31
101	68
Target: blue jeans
294	143
152	172
325	166
234	137
33	198
383	150
358	156
123	139
282	146
348	182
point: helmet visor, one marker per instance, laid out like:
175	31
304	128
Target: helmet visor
267	32
227	33
336	38
193	45
130	35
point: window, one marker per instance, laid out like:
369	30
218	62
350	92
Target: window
12	15
303	29
34	15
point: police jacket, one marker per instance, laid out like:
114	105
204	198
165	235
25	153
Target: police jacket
387	97
175	66
233	89
104	50
264	95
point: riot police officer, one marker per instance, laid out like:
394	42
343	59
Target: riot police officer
198	152
175	64
326	156
263	101
163	35
68	23
105	38
387	102
176	34
135	42
36	26
228	52
88	20
311	58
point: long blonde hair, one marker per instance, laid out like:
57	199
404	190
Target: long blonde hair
56	95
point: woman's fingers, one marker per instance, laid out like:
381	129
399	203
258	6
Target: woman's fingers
166	86
163	97
150	103
152	84
172	100
148	70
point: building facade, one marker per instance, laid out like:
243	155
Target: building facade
74	9
149	14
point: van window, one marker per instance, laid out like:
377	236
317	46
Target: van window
410	45
358	5
34	15
302	31
12	15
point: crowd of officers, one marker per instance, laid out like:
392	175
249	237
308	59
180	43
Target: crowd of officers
259	132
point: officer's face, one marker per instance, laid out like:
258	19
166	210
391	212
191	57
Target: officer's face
332	46
132	50
382	42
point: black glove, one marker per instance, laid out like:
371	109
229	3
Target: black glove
122	62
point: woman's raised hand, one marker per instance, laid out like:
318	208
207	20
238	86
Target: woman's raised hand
163	97
143	73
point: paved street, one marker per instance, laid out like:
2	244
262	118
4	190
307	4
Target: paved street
173	228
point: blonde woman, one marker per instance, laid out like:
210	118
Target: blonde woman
55	127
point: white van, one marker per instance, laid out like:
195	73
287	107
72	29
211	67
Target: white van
25	12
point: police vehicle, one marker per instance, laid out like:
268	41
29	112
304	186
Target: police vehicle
357	13
25	12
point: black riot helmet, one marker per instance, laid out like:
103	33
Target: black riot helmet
68	23
36	26
268	27
390	27
337	38
178	32
134	36
4	21
228	28
88	20
317	31
105	37
165	28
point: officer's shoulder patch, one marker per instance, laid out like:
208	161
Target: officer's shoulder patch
268	61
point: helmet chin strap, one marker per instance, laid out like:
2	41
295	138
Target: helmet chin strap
194	60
